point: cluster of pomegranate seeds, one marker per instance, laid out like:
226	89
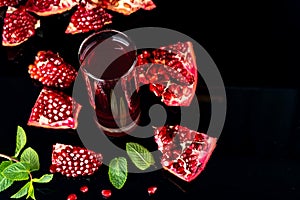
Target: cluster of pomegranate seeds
185	152
54	109
127	7
18	26
72	197
171	72
88	17
49	7
9	3
51	70
106	193
74	161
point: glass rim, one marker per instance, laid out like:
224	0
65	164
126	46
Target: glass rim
100	32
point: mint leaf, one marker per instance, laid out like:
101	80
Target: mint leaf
4	164
4	183
139	155
117	172
21	140
46	178
30	191
31	157
16	172
22	192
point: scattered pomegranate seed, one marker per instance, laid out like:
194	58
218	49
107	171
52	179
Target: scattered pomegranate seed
106	193
72	197
84	189
152	190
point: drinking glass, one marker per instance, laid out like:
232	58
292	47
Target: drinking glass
107	61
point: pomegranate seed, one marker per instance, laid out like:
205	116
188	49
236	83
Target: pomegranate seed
152	190
84	189
106	193
72	197
52	169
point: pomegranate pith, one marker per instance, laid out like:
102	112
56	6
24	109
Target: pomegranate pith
127	7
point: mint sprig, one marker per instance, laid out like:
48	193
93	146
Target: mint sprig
20	169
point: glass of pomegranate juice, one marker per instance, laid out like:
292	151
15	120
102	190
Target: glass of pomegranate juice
108	60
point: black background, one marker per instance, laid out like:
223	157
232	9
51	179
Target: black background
255	46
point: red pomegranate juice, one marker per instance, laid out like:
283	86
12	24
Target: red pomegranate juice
111	70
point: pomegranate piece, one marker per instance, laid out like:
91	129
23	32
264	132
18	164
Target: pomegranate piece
49	7
73	161
152	190
106	193
185	152
9	3
72	197
171	72
88	17
84	189
54	109
127	7
51	70
18	26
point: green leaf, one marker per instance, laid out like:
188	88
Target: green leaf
122	113
22	192
30	191
139	155
5	183
16	172
21	140
31	157
4	164
117	172
46	178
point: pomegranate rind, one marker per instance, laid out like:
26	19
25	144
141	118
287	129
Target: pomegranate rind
153	68
16	29
165	138
102	20
41	120
63	6
127	7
